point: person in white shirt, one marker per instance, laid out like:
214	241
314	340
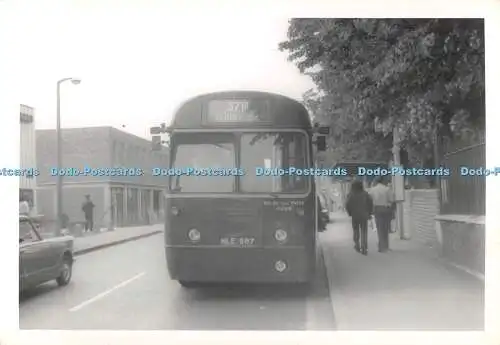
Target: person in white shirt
24	206
382	204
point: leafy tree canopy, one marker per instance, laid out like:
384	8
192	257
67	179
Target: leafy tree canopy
372	74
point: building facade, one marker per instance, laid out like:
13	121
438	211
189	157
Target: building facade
27	159
120	200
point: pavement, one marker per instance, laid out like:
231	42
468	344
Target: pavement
127	287
409	288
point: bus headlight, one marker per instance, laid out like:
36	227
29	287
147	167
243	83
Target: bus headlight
194	235
175	211
280	266
280	235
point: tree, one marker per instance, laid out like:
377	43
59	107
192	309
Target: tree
425	76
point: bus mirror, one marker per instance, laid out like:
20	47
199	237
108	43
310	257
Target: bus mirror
155	130
324	130
321	143
156	143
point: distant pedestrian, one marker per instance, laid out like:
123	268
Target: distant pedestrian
359	207
65	221
327	199
88	211
382	202
24	206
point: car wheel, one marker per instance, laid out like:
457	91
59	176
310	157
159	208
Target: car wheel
66	272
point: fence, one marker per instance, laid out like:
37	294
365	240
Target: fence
464	194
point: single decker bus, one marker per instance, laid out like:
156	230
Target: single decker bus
241	203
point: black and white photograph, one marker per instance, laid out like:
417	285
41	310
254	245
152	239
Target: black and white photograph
288	173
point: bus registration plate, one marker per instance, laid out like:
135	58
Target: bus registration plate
237	241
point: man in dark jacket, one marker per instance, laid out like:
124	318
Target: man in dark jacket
359	206
88	211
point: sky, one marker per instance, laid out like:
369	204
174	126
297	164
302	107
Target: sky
137	64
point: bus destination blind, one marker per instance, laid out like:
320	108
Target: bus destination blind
234	111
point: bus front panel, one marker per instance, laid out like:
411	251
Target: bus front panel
240	240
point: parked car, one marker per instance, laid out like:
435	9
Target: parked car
43	259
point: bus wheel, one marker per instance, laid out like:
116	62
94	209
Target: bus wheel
188	285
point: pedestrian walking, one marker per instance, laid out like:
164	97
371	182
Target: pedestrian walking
359	207
382	209
88	211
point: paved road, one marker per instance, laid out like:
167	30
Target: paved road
127	287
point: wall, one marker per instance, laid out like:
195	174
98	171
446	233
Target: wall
97	147
27	145
73	197
131	151
419	209
463	241
27	153
459	239
81	147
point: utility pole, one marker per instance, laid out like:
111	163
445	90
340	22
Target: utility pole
398	183
59	181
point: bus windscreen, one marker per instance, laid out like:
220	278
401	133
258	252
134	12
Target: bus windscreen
258	152
213	151
273	151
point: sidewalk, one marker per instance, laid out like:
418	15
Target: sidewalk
408	288
99	240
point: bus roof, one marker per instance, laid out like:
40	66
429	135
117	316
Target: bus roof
241	109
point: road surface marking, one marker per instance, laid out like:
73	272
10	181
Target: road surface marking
107	292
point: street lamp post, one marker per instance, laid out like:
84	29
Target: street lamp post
59	182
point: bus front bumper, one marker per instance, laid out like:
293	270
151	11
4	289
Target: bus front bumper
258	265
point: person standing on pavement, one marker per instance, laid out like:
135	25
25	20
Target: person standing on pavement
382	202
359	207
88	211
24	206
327	199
